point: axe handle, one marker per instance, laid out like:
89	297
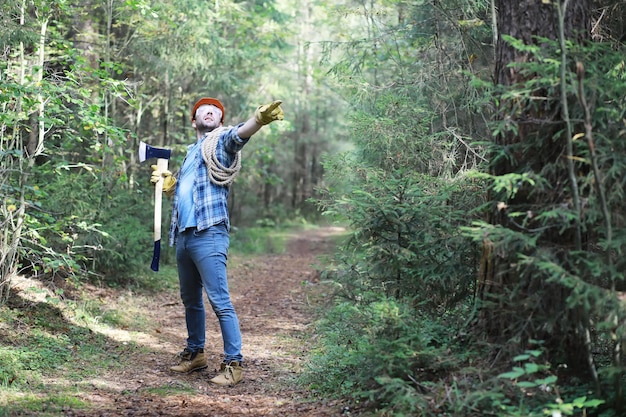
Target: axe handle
158	199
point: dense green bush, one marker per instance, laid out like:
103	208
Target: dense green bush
405	243
85	227
379	353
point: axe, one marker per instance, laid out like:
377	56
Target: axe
163	155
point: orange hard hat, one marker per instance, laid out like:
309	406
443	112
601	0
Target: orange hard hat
208	100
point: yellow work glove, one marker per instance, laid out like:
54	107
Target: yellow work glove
267	113
169	182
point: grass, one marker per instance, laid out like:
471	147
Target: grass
259	240
164	280
167	390
44	406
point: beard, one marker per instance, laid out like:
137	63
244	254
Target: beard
204	126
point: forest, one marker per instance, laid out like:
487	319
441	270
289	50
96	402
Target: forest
474	150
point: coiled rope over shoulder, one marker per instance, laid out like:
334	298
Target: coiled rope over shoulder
218	173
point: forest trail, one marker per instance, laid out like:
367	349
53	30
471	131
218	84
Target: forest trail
270	294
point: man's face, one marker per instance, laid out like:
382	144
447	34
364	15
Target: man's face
207	117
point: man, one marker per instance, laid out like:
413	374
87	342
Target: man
200	230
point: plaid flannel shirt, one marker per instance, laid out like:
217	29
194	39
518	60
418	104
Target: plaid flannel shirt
210	200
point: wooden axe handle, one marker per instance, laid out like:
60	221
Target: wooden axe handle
158	199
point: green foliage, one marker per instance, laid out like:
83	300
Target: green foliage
536	391
379	351
100	233
404	240
556	226
405	190
64	196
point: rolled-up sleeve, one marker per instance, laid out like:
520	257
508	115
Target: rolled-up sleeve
232	142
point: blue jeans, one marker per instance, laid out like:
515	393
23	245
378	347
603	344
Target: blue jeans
201	259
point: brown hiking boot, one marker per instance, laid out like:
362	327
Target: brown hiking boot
190	361
230	374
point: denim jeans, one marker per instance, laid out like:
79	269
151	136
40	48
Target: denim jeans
201	259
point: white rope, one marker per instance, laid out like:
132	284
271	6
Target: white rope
218	173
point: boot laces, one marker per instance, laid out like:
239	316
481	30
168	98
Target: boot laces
185	355
228	370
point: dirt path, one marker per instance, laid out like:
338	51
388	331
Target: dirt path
270	296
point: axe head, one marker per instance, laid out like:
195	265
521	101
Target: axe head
146	152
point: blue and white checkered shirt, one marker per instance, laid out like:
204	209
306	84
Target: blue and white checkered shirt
210	201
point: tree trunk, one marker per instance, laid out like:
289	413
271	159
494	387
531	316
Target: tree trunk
538	144
14	212
299	177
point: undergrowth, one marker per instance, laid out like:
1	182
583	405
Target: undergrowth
388	360
379	353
